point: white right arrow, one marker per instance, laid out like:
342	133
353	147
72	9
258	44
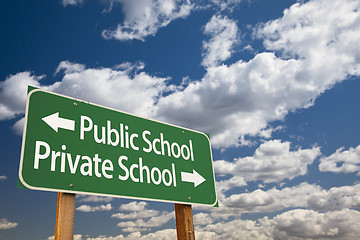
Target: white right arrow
56	122
193	177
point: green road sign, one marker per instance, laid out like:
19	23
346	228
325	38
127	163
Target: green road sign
74	146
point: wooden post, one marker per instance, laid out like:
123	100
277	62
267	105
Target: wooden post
65	211
184	222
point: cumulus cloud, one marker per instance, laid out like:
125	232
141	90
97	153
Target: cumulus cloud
92	198
147	213
18	127
144	18
237	229
166	234
331	29
72	2
226	4
317	214
305	195
13	93
107	82
87	208
273	161
3	178
309	224
142	219
233	182
114	88
273	199
342	161
335	198
224	35
6	224
75	237
69	67
231	101
294	224
144	225
202	219
133	206
308	51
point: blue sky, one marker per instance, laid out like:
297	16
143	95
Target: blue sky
275	84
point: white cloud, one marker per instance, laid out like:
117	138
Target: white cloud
75	237
144	18
342	161
146	213
273	161
69	67
330	29
231	101
317	49
309	224
226	4
5	224
133	206
144	219
202	219
18	127
224	34
91	198
13	93
335	198
272	199
3	178
238	229
72	2
308	196
323	214
166	234
302	196
114	88
87	208
129	67
294	224
233	182
155	221
267	133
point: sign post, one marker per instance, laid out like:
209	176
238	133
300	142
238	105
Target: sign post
65	211
72	146
184	222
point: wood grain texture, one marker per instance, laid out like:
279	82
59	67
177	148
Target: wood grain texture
184	222
65	211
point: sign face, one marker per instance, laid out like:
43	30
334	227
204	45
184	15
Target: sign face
74	146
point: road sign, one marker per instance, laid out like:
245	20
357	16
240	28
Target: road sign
75	146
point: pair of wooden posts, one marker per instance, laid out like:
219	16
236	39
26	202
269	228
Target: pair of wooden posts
65	211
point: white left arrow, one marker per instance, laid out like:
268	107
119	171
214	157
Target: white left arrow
56	122
193	177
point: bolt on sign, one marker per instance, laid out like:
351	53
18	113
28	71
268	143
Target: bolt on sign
75	146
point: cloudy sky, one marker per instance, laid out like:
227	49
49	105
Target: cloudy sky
275	84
